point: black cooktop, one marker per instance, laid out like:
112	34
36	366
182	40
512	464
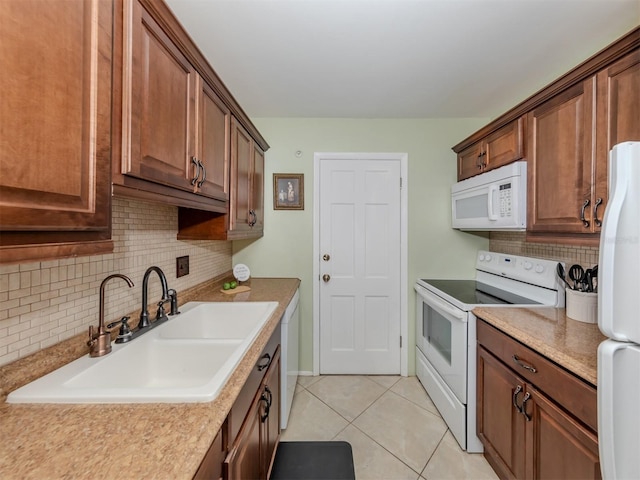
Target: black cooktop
472	292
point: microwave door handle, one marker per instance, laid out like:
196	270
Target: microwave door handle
492	216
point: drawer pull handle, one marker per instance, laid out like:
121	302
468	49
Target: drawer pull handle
525	399
517	392
520	363
263	365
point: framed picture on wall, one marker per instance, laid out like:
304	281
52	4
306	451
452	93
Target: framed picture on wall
288	191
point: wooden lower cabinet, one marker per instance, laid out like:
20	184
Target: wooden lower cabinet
211	466
558	446
500	425
244	448
527	433
252	453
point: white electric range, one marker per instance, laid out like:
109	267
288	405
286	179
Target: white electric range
446	329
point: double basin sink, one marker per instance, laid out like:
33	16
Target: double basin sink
187	359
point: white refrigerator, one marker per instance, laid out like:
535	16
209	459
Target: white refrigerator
619	318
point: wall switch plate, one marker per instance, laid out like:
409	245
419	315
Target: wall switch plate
182	266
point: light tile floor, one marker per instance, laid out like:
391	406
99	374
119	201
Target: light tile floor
394	429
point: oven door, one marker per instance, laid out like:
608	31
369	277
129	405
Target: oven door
441	335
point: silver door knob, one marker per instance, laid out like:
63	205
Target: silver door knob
326	257
326	278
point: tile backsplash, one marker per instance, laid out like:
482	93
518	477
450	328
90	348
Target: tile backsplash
43	303
514	243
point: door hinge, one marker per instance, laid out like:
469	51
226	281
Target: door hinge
400	341
400	183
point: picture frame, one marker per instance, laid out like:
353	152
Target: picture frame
288	191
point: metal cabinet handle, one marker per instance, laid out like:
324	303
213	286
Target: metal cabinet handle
326	277
198	165
254	218
263	365
525	399
264	398
204	174
582	219
517	392
596	220
484	163
326	257
521	364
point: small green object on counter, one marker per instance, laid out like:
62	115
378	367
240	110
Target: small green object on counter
226	286
233	285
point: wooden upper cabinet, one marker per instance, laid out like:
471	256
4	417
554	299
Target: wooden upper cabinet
213	146
245	214
499	148
55	146
160	120
257	188
560	158
175	124
570	137
247	184
617	120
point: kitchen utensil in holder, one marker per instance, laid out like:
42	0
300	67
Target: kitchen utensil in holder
582	306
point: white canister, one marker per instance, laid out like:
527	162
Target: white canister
582	306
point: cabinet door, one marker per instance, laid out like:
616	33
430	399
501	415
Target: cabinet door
211	466
505	145
560	159
213	143
500	425
160	127
618	119
241	154
557	445
257	189
469	161
271	424
244	459
55	146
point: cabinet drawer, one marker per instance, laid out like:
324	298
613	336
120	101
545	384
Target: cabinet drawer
574	395
243	402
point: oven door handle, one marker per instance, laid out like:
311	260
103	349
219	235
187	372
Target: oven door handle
436	302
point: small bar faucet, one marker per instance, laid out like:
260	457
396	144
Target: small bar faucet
144	313
100	342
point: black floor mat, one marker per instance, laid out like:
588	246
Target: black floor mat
313	461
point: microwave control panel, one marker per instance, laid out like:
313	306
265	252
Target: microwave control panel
504	199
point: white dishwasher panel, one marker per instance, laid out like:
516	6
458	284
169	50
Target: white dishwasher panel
290	328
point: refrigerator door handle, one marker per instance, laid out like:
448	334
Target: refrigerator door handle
618	421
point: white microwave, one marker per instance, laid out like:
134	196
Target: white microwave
495	200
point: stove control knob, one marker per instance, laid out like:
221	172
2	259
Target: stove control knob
539	268
488	258
528	265
481	257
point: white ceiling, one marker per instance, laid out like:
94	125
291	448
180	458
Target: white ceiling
397	58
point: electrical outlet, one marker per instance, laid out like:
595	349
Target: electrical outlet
182	266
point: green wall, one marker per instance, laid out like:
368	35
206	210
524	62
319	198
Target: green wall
434	249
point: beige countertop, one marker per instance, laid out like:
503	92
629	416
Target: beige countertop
567	342
110	441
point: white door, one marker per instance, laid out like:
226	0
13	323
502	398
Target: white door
360	265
